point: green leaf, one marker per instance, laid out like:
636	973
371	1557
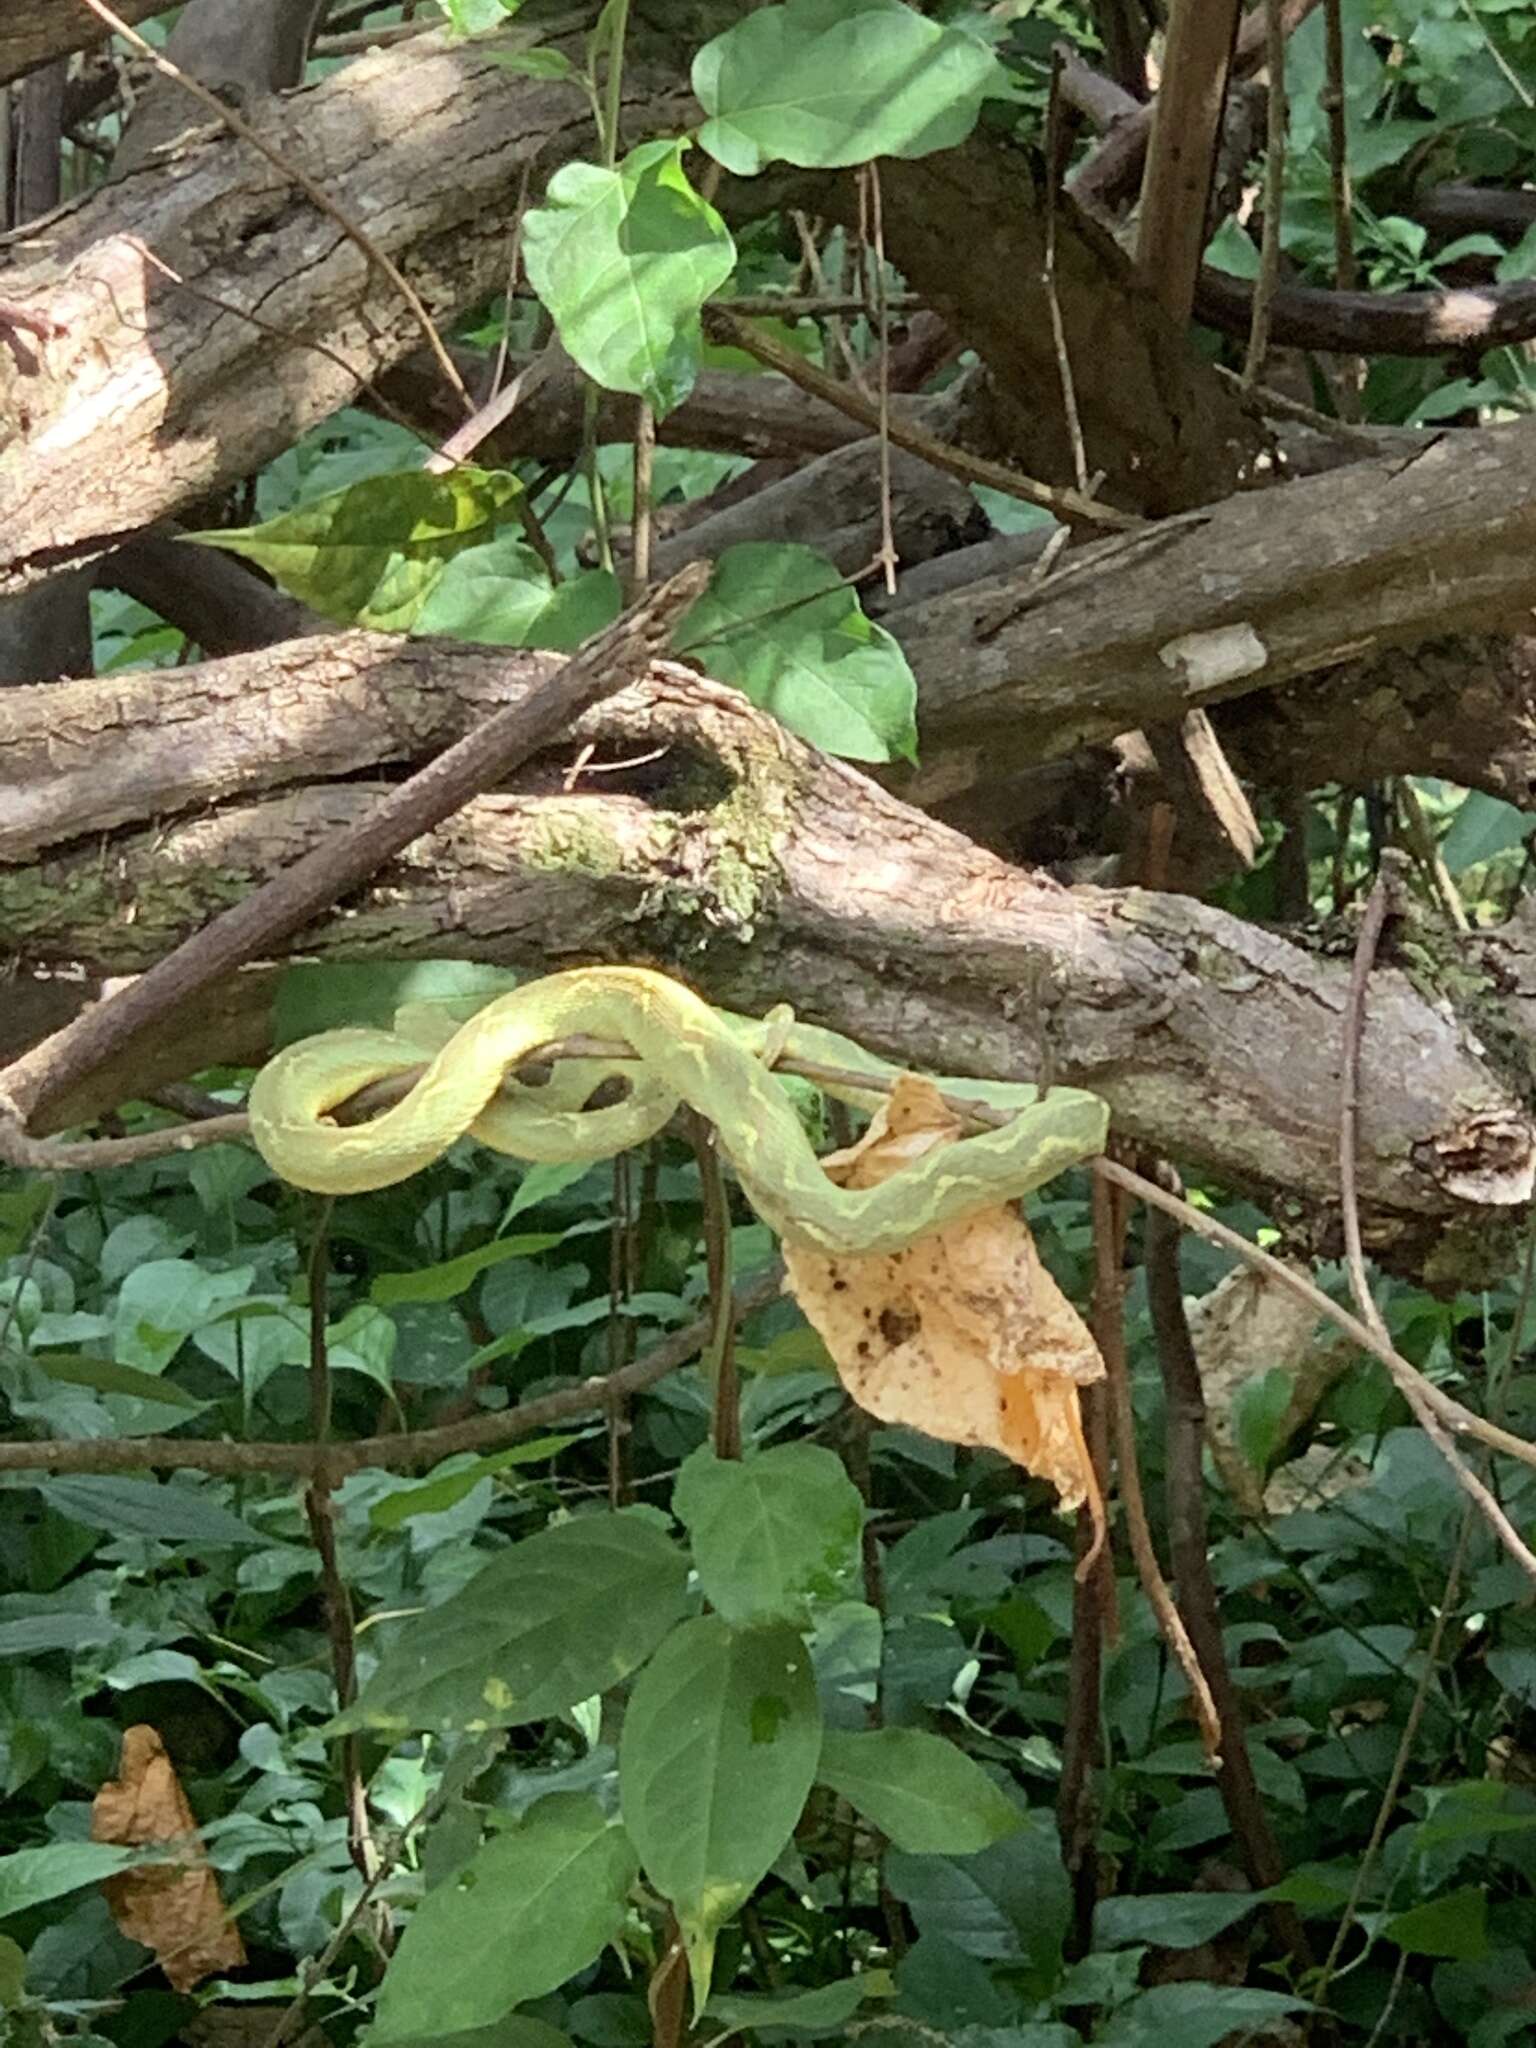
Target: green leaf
1007	1903
1482	827
179	1512
35	1632
163	1302
473	17
30	1877
536	63
501	596
1167	1919
436	1496
778	622
771	1532
105	1377
13	1974
1520	262
372	554
827	83
1478	1808
516	2030
623	259
445	1282
802	2015
929	1797
717	1755
541	1183
1260	1409
322	996
1193	2015
1455	1926
533	1907
555	1619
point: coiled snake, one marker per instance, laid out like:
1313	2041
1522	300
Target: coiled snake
685	1052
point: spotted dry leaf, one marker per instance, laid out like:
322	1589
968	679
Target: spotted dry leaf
964	1334
173	1908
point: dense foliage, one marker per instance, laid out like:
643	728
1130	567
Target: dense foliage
805	1708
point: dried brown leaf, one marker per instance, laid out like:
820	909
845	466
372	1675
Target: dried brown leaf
173	1908
963	1334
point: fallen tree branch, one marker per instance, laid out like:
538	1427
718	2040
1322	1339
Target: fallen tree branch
760	869
157	395
1250	595
1010	672
291	899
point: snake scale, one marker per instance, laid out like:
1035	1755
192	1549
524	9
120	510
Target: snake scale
685	1052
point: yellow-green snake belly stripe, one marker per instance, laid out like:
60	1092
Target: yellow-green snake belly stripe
686	1052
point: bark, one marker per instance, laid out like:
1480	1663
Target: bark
34	32
241	49
762	871
1160	424
158	395
730	412
1434	323
1265	588
219	602
833	505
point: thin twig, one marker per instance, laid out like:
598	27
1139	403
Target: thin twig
871	176
974	469
1274	195
408	1450
1379	902
316	194
812	305
1345	270
1093	1593
643	486
1189	1551
320	1513
1127	1465
720	1352
1416	1390
1427	847
1048	278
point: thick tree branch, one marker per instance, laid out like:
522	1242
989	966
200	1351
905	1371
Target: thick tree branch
265	920
1265	588
761	870
160	392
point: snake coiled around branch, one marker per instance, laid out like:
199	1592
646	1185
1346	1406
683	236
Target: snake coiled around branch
685	1052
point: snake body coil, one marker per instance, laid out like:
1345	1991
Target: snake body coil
685	1052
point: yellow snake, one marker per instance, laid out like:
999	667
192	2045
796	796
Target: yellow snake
685	1052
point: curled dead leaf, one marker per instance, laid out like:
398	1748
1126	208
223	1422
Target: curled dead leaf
963	1334
173	1908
